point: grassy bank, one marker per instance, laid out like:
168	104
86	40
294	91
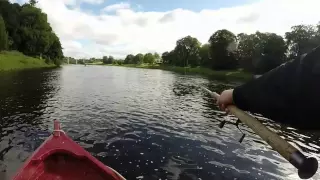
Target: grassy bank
236	74
11	60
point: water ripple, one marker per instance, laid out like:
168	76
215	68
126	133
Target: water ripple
147	124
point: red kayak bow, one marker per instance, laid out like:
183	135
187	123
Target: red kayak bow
60	158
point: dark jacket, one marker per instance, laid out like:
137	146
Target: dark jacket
289	94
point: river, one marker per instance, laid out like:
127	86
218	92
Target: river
146	124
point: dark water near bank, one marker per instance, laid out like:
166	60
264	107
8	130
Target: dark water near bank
147	124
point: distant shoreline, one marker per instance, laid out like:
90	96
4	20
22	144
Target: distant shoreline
231	74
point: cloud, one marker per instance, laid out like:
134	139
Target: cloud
249	18
108	39
66	2
19	1
168	17
128	31
141	21
115	7
93	1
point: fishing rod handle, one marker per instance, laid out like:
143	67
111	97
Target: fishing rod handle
307	166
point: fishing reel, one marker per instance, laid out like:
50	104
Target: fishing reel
222	123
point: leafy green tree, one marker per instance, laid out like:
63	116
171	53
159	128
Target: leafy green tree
54	51
260	52
165	58
301	39
157	57
138	59
168	57
249	50
35	31
129	59
11	16
187	51
120	62
205	55
149	58
33	2
222	58
3	35
30	33
273	49
110	60
105	59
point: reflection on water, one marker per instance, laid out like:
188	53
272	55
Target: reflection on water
147	124
23	104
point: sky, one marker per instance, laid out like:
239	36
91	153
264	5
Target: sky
96	28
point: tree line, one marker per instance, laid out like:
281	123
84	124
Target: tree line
149	58
257	53
25	28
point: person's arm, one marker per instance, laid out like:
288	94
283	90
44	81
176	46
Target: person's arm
286	94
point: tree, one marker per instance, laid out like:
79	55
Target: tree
187	51
110	59
33	2
165	58
260	52
115	62
54	52
3	35
205	55
35	31
219	44
301	39
157	57
138	59
149	58
30	33
11	15
168	57
273	49
105	59
249	50
129	59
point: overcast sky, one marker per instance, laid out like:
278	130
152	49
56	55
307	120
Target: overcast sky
94	28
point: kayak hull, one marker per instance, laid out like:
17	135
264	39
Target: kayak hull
60	158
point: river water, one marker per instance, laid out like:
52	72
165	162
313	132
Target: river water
146	124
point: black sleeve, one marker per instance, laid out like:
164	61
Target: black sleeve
288	94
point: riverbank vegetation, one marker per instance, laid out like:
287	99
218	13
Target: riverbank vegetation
11	60
255	53
232	74
25	28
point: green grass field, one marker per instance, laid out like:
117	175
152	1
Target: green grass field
11	60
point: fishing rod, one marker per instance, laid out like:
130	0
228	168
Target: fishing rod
307	166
